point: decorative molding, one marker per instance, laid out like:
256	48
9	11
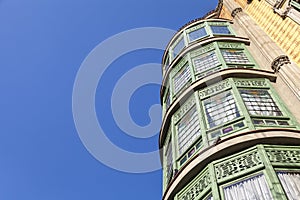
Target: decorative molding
184	109
196	190
228	45
214	89
250	83
280	61
236	11
237	164
283	156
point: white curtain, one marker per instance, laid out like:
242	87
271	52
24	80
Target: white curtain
291	184
254	188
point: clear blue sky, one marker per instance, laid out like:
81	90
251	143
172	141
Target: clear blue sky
42	45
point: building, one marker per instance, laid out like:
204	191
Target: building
231	104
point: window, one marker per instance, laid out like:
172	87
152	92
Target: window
220	109
199	33
295	4
168	100
259	102
290	182
188	129
249	189
167	64
235	56
206	61
220	29
178	47
169	166
181	78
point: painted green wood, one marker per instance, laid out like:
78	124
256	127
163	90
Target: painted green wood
272	179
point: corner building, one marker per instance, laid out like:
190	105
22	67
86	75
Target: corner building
231	104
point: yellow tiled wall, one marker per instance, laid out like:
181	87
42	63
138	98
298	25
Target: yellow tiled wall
225	13
285	32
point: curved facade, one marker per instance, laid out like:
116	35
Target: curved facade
226	132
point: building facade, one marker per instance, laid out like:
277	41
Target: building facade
231	104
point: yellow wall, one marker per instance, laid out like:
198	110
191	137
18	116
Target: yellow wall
286	33
225	13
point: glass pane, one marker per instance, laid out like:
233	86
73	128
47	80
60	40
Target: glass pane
235	56
220	109
169	156
167	64
178	47
168	100
194	35
206	61
295	4
188	130
254	188
259	102
181	78
220	29
290	182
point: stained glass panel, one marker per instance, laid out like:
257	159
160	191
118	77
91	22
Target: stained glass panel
206	61
235	56
188	129
181	78
259	102
220	109
169	156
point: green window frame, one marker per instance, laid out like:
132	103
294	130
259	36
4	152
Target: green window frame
290	181
259	102
181	79
235	56
197	34
178	46
167	63
295	4
188	130
253	187
220	30
220	109
206	63
169	161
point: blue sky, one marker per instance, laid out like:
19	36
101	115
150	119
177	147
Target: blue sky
43	44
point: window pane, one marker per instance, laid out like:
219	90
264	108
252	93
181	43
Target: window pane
235	56
188	130
290	183
206	61
249	189
166	66
220	29
178	47
194	35
220	109
259	102
168	100
295	4
181	78
169	166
